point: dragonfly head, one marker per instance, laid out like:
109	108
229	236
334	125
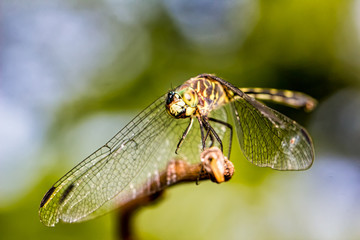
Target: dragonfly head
183	103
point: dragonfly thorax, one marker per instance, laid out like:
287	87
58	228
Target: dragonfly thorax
183	103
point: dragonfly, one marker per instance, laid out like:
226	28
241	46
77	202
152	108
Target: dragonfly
180	125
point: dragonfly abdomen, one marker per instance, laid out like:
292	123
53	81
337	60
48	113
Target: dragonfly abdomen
286	97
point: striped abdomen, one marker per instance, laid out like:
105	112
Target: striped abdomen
285	97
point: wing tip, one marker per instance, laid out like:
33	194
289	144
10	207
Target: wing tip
47	218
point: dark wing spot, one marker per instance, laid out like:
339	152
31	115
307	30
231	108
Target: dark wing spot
306	135
47	196
66	193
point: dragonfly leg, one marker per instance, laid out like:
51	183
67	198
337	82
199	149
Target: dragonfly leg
217	137
231	131
208	132
200	172
203	139
187	130
213	132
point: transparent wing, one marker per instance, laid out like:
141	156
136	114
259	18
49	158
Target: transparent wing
121	170
270	139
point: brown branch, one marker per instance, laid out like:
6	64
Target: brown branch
214	166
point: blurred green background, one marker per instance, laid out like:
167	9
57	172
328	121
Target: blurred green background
73	73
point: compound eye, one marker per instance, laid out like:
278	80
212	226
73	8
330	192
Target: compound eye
170	97
190	97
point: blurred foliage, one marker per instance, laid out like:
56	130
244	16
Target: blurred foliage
297	45
292	46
